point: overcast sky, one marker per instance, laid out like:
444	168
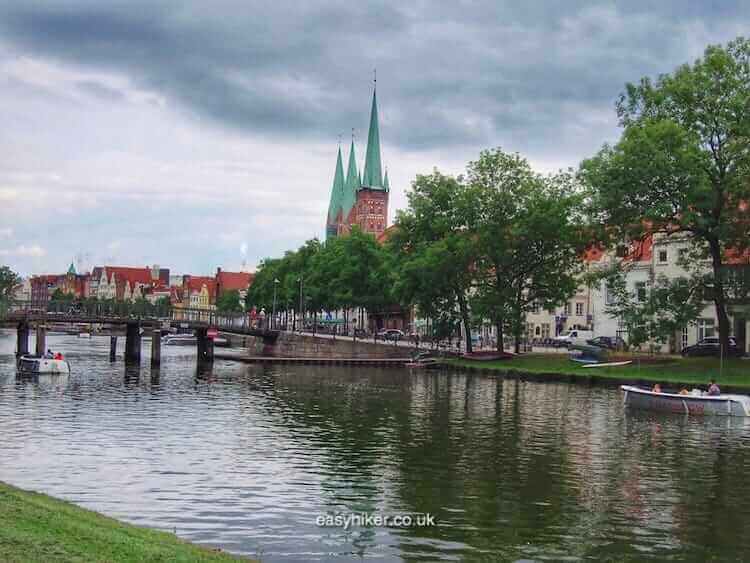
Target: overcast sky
204	134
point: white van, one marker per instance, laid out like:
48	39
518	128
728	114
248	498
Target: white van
575	336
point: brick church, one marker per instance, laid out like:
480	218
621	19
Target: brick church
356	199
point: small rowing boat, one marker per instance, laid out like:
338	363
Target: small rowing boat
43	366
423	360
608	364
694	403
179	340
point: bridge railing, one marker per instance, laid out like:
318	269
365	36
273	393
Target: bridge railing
102	311
91	309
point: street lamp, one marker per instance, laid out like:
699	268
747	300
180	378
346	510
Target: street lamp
302	314
273	315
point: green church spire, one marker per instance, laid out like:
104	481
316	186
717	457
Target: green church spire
72	269
352	184
337	190
386	183
373	175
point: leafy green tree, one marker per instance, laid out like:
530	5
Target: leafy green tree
682	163
9	280
60	295
163	306
529	236
229	302
352	271
295	271
656	315
260	294
434	253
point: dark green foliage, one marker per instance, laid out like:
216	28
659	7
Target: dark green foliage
229	302
682	163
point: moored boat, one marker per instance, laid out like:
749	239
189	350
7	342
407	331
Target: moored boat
179	340
694	403
607	364
587	354
487	356
41	366
423	360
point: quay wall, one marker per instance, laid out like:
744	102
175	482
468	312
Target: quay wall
293	345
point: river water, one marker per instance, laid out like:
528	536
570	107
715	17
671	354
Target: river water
248	457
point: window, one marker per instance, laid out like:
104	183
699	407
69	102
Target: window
609	294
566	310
579	309
662	256
706	328
684	340
621	251
545	330
537	330
535	307
640	291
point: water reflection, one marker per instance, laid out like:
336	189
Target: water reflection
246	457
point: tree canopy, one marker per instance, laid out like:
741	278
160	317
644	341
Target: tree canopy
682	162
9	280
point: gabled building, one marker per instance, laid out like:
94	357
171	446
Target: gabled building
71	283
233	281
360	200
126	283
199	292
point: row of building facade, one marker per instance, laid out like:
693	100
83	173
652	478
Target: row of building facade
643	261
131	284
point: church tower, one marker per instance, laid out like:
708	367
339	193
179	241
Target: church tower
360	200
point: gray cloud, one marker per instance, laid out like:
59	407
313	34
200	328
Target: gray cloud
113	109
452	74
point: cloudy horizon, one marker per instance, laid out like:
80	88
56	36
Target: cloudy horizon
194	136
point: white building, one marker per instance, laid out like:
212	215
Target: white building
643	261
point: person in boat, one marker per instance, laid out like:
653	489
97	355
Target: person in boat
48	355
58	356
684	391
713	389
656	388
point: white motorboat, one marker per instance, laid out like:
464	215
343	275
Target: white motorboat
696	402
84	335
179	340
40	366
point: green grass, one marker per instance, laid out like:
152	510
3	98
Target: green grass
691	371
35	527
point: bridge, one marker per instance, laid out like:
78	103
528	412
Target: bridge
22	315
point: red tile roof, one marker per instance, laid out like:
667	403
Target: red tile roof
228	281
196	283
132	275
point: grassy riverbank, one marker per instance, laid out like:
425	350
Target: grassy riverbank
735	373
35	527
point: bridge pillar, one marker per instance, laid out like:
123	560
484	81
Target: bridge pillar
156	348
133	343
22	339
41	339
205	346
112	348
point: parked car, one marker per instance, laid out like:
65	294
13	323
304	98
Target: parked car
575	336
710	347
609	342
361	333
391	334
